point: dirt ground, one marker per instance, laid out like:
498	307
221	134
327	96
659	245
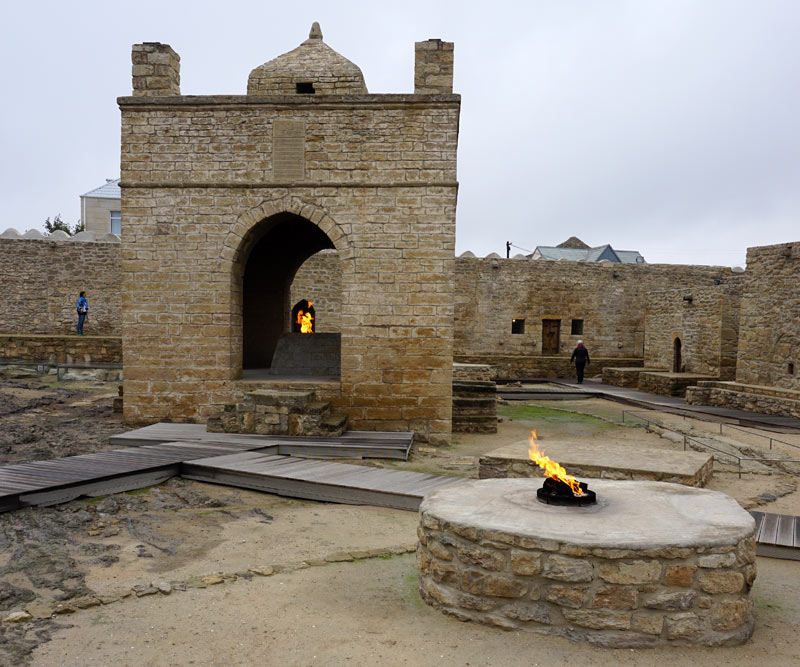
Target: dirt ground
195	574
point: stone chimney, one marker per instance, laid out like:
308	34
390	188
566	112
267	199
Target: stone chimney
156	70
433	67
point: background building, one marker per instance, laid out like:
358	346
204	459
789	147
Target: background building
101	208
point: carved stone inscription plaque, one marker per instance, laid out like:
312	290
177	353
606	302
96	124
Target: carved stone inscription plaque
288	150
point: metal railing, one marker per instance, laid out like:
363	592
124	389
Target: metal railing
636	414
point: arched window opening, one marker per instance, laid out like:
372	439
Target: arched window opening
677	362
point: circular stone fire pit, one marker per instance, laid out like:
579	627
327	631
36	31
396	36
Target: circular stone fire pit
650	564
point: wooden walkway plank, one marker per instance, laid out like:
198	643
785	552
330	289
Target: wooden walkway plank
351	444
60	480
777	535
321	480
785	533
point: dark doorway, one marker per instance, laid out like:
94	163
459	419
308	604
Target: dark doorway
677	363
551	332
278	247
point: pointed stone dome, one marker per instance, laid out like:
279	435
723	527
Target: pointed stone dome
311	68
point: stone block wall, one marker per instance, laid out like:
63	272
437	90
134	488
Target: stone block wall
517	367
769	327
705	319
433	67
61	349
41	281
609	298
156	70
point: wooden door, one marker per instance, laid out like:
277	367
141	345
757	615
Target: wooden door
551	330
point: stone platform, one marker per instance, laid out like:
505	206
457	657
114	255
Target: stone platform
627	377
317	354
601	461
670	384
650	564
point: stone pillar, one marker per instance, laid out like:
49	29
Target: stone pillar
156	70
433	67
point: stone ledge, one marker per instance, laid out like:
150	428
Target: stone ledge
743	400
603	462
320	101
61	349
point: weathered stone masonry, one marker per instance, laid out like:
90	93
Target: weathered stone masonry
706	322
200	182
610	299
769	333
41	281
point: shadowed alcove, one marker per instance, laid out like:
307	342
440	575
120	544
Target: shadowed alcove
278	247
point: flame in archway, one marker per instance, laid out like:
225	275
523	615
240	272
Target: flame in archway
305	320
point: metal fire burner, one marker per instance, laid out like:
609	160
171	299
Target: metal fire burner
556	492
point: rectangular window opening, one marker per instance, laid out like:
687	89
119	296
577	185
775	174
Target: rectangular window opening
577	328
791	368
116	222
517	326
305	88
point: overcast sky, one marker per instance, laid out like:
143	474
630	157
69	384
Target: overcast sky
664	126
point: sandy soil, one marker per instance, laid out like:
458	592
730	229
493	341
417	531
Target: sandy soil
369	613
313	608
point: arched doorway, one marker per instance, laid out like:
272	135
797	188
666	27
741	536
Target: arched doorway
677	363
272	253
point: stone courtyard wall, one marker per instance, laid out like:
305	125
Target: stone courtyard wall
769	328
41	281
610	298
705	319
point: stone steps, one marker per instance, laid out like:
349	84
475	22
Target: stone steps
280	412
474	406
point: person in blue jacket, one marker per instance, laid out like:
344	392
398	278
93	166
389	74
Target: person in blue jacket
83	309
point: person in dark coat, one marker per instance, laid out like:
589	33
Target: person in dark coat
581	358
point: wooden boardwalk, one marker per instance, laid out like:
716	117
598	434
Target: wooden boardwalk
351	444
319	480
263	463
777	535
60	480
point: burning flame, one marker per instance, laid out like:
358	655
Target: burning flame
305	319
551	468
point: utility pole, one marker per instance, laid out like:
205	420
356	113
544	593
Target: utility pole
508	249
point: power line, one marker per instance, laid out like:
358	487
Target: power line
510	245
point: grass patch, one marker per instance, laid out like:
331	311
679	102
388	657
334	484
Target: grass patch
139	492
411	592
550	416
